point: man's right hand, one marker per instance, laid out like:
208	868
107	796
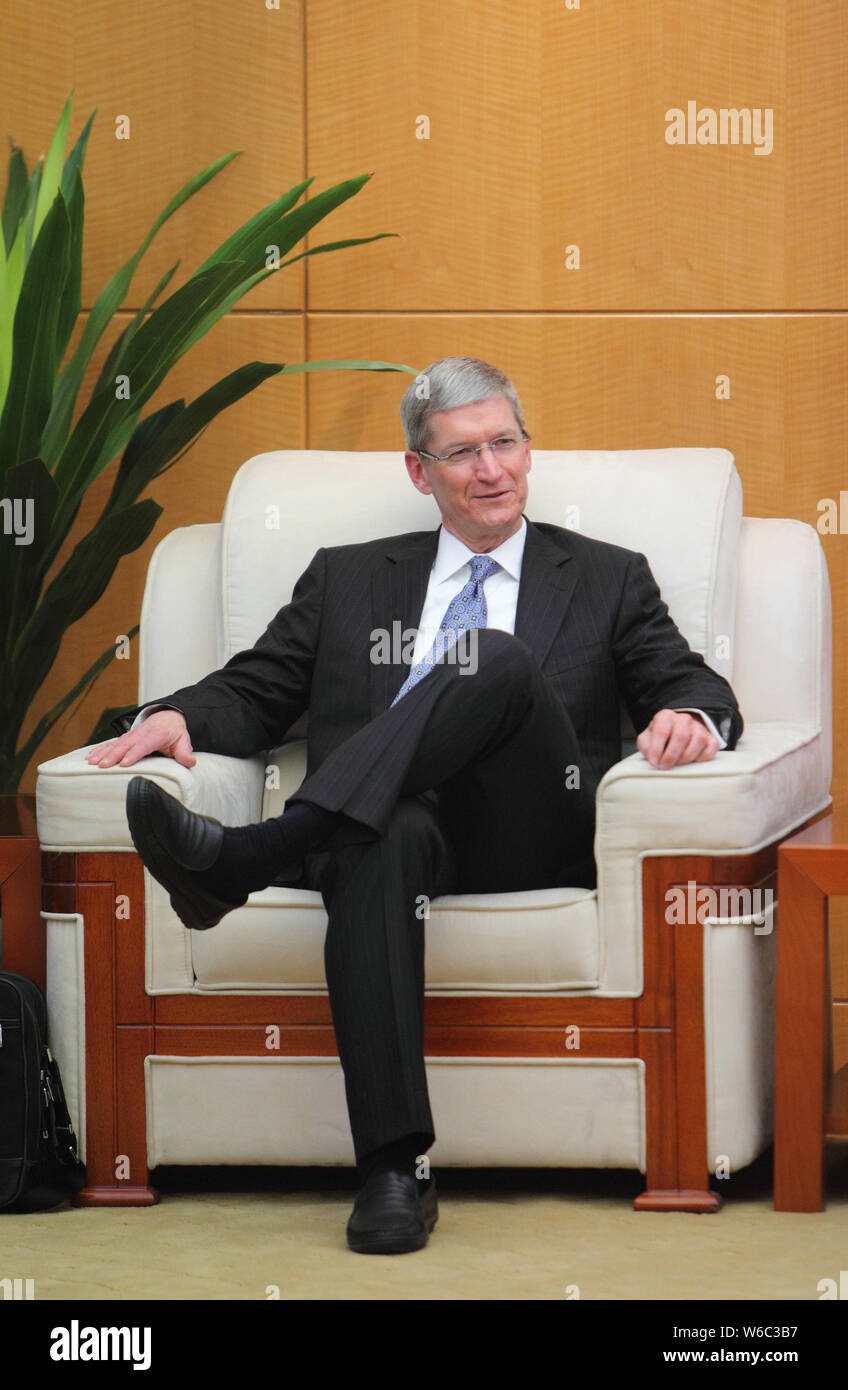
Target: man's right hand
162	732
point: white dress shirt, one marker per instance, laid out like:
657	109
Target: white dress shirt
451	572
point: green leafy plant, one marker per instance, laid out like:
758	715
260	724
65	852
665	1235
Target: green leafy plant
53	448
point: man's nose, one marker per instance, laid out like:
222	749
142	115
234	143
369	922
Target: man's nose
487	461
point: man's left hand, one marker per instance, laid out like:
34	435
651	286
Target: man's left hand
674	737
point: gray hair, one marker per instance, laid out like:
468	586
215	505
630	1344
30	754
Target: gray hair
446	384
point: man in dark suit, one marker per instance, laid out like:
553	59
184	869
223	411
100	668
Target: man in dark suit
470	765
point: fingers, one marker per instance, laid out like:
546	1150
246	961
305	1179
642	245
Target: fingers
126	750
655	741
674	738
700	748
163	732
94	752
710	751
182	751
107	754
140	749
130	748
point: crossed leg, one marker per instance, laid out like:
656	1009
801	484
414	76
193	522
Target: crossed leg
471	788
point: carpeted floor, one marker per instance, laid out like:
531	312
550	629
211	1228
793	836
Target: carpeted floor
245	1233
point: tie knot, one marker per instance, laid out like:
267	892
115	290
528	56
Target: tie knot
481	567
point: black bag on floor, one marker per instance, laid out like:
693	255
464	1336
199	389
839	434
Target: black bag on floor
39	1164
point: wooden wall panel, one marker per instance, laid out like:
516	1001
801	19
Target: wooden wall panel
197	82
547	129
36	75
602	98
815	231
247	94
132	60
466	200
721	208
586	381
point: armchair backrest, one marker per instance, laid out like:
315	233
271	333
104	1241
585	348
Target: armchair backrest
212	590
681	507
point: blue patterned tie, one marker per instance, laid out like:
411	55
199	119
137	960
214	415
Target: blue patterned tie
467	609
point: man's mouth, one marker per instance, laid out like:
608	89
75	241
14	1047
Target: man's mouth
490	496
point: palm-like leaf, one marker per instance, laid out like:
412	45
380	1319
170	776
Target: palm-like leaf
30	391
48	460
109	300
15	194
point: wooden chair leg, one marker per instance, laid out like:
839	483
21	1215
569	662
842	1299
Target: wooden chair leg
108	891
802	1050
670	1021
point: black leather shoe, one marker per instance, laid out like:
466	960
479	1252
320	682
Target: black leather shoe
176	844
391	1214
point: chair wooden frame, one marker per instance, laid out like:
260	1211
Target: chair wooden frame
123	1024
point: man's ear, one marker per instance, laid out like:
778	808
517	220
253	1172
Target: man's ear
415	469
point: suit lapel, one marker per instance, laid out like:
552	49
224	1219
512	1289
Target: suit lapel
398	590
548	580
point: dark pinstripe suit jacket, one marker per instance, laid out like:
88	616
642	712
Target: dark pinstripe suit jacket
590	612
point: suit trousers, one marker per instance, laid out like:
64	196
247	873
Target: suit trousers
469	784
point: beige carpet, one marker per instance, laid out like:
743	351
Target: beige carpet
229	1233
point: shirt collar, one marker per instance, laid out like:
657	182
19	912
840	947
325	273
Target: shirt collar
452	553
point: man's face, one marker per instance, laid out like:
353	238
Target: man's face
481	501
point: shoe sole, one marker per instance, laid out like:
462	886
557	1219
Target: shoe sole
162	867
396	1242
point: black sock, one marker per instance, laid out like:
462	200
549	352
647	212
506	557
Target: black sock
402	1153
252	856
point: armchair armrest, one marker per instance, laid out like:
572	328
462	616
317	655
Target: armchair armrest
776	778
83	808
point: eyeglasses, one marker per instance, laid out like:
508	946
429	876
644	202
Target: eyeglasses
506	446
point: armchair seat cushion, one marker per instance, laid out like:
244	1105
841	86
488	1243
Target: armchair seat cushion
544	941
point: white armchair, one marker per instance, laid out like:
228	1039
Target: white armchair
564	1027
